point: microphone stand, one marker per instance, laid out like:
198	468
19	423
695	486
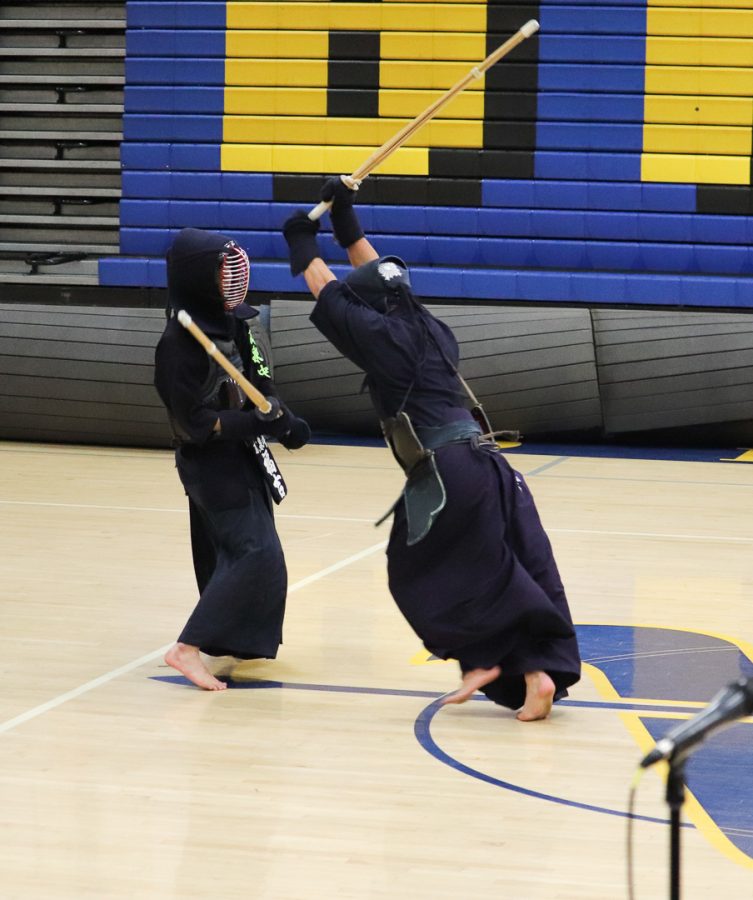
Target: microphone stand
675	796
730	703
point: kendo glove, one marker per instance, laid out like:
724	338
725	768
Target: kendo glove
299	434
238	425
244	424
277	421
300	233
344	220
291	431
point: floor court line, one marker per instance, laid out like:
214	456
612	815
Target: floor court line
654	534
368	521
422	732
655	654
546	466
670	482
55	702
656	708
169	509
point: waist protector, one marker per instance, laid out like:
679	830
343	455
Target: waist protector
424	493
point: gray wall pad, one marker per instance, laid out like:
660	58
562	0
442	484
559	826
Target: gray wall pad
673	369
80	374
84	374
533	369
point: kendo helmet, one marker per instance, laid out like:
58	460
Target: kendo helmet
207	273
381	282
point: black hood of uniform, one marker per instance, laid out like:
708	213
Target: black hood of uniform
192	266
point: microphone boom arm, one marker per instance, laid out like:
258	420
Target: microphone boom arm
731	703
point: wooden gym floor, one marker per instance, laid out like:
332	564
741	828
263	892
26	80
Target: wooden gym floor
330	772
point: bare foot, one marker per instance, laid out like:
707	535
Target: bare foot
539	697
472	681
187	661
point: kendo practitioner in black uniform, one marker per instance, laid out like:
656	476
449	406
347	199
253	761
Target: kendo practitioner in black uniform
469	563
226	468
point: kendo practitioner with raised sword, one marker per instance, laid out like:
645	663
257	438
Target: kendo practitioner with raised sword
226	468
469	563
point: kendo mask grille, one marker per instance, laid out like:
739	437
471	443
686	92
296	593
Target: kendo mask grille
235	270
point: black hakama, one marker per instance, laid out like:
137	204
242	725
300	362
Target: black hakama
483	587
237	556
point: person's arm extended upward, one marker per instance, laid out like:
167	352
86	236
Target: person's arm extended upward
318	273
361	252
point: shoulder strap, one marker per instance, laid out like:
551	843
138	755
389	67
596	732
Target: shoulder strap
477	411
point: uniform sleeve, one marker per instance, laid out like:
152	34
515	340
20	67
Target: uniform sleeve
179	375
374	342
256	354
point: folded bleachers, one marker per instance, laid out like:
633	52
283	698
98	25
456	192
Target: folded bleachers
61	104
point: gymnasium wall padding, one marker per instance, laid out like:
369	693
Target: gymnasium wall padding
533	369
686	369
82	374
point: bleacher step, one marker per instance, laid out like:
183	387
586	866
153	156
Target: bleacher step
18	247
62	220
80	109
46	278
63	24
109	165
104	136
48	80
86	52
59	192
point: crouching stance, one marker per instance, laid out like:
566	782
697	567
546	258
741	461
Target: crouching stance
469	563
226	468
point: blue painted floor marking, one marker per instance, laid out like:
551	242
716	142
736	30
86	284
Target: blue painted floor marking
422	731
242	684
651	670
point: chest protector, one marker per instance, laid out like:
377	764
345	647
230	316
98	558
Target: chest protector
218	391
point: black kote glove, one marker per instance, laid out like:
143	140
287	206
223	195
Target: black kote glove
246	424
344	220
290	430
300	233
299	434
277	421
238	425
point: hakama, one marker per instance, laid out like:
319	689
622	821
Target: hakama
482	586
